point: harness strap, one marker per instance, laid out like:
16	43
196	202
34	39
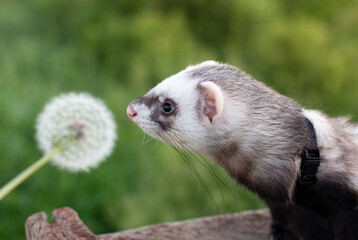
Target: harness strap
310	159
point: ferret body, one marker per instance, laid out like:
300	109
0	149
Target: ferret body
258	136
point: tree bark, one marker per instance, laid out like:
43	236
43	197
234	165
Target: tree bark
250	225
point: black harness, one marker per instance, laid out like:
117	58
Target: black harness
310	160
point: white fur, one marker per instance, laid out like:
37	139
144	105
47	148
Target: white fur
182	90
324	130
143	119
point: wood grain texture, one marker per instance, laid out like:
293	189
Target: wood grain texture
65	225
251	225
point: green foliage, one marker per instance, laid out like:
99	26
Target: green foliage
117	50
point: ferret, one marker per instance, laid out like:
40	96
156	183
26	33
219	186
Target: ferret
259	137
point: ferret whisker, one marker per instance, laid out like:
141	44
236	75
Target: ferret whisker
146	139
154	145
194	170
171	151
143	138
211	171
207	165
200	178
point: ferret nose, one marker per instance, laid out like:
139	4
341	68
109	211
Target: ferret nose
130	112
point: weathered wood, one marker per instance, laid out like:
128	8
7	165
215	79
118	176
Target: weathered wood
65	225
251	225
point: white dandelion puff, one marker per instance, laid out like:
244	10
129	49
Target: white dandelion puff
82	125
75	131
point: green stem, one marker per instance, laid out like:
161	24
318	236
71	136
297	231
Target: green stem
5	190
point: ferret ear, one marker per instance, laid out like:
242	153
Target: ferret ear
212	100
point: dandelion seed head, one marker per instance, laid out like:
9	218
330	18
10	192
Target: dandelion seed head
82	125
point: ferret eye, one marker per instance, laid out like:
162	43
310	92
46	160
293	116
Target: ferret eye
167	108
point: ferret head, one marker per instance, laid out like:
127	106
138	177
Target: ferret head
182	110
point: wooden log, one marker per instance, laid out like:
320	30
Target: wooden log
250	225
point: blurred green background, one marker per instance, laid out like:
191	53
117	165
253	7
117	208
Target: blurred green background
117	50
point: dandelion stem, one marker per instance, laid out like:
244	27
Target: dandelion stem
5	190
